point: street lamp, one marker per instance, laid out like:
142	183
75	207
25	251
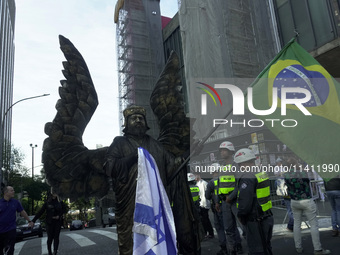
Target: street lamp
33	147
2	131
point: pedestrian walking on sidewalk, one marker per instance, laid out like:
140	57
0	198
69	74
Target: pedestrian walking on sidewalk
281	191
204	207
302	203
54	209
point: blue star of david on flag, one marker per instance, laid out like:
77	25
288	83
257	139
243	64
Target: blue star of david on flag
154	227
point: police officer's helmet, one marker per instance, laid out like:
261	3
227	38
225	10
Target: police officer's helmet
244	155
191	177
227	145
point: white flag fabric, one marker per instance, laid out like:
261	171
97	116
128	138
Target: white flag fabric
154	227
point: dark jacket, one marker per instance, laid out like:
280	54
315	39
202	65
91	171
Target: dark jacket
333	184
210	192
248	205
53	208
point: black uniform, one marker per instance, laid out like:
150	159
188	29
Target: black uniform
54	216
255	214
218	217
227	188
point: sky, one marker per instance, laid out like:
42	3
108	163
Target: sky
38	64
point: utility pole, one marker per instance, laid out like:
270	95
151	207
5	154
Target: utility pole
33	147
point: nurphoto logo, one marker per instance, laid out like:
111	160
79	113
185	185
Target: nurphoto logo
288	96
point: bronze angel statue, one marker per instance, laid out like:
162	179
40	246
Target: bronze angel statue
74	171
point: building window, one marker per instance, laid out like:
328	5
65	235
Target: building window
311	20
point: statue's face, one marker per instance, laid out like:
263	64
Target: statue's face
136	120
136	124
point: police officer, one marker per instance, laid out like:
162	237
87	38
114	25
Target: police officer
254	203
227	195
195	191
211	193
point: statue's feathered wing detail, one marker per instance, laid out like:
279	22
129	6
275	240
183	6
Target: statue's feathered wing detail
72	169
167	103
176	135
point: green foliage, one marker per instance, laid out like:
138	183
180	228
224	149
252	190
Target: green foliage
82	205
35	188
25	202
26	187
14	162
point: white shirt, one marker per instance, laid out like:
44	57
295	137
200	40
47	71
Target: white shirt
202	185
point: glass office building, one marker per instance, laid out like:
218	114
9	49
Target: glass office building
7	24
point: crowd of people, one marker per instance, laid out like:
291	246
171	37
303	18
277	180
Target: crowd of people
238	200
241	202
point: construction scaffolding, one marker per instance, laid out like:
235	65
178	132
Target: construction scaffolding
140	54
223	42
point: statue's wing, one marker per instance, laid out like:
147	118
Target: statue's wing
71	169
176	135
167	103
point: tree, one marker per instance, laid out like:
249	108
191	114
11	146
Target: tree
82	205
35	189
17	173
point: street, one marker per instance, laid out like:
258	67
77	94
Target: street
103	241
87	241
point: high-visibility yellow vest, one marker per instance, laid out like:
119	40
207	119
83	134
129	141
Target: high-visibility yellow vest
216	186
195	193
226	182
263	191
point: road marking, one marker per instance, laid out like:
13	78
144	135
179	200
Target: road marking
18	247
44	245
81	240
105	233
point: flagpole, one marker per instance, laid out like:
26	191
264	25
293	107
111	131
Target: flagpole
201	142
193	152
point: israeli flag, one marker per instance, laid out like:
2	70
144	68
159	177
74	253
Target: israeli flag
154	227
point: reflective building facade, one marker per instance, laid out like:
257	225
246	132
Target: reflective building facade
7	24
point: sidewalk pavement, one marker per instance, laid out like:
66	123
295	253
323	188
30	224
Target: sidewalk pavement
283	241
